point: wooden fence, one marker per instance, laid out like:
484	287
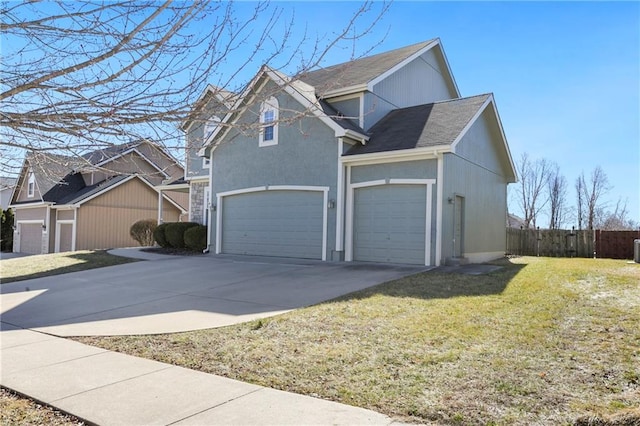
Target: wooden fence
571	243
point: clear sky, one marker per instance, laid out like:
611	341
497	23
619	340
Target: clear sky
565	75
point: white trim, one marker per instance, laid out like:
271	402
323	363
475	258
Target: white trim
220	200
346	97
394	181
199	178
31	190
410	154
27	221
339	197
37	204
439	201
217	94
345	91
71	222
206	198
361	117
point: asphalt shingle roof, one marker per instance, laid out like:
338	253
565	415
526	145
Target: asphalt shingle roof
433	124
88	191
359	71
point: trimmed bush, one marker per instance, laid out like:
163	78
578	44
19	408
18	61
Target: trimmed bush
195	238
142	231
160	237
174	233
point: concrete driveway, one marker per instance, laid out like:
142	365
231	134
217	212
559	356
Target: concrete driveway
175	294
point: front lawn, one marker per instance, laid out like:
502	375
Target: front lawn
541	341
44	265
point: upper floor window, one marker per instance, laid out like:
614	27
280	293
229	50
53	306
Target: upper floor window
31	185
269	123
209	127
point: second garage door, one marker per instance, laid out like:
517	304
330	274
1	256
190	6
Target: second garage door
31	238
274	223
389	224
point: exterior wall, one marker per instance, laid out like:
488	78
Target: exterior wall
420	169
194	141
22	190
485	209
306	154
104	222
419	82
65	214
350	108
480	143
5	197
196	192
167	165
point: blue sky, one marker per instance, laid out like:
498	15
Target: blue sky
565	75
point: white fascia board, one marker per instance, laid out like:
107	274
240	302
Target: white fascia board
395	156
345	91
172	187
31	205
504	139
446	62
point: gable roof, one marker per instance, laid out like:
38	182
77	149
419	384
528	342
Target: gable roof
359	73
301	92
422	126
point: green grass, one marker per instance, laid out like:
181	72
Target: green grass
542	341
25	268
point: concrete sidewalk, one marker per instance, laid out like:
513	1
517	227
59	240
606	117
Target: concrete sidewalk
109	388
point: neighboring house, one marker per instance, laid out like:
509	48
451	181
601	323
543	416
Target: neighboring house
514	221
6	189
67	203
378	159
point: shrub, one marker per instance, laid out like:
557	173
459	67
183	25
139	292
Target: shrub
195	238
174	233
6	230
159	235
142	231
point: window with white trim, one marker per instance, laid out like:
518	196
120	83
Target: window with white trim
31	185
209	127
269	123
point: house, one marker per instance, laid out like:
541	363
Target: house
379	159
78	203
6	189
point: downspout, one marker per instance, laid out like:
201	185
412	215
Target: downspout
210	206
340	202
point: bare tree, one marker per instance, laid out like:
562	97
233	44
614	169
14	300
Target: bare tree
89	74
618	219
557	197
532	195
590	197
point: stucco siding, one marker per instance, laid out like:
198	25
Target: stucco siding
485	207
305	155
104	222
419	82
194	140
480	143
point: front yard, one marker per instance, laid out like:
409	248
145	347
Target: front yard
542	341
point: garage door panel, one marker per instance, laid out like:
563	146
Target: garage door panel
31	238
389	224
274	223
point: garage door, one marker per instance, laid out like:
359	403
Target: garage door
31	238
389	224
274	223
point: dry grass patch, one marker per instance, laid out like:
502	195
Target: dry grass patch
44	265
542	341
16	410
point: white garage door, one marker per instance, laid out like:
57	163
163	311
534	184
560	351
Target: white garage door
274	223
389	224
31	238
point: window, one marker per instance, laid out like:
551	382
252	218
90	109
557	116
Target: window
269	123
209	127
31	185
